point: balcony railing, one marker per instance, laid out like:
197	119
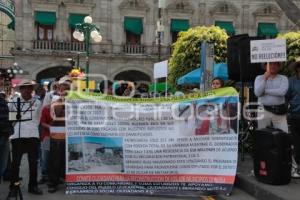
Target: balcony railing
58	45
134	49
105	48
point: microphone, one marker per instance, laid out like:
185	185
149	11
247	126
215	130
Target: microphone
18	108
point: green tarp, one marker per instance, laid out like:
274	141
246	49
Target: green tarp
267	30
133	25
45	18
76	19
178	25
161	87
228	26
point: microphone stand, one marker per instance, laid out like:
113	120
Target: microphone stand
19	105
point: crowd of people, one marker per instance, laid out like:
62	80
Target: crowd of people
26	120
43	110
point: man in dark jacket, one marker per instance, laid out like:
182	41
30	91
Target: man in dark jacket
6	128
293	98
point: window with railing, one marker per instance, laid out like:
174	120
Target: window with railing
132	38
133	27
58	45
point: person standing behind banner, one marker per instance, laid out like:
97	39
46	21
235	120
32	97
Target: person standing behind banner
25	138
293	99
217	83
270	88
57	161
45	122
54	87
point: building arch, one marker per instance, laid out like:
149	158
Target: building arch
180	6
224	8
132	75
50	73
268	10
134	5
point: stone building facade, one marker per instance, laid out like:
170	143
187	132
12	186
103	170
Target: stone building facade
42	50
7	41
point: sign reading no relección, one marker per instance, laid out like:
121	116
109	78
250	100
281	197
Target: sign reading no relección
273	50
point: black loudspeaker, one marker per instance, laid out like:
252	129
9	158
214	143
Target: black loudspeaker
240	67
272	156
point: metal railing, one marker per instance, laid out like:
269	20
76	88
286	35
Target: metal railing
58	45
128	49
133	49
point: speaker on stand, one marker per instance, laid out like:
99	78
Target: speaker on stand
240	69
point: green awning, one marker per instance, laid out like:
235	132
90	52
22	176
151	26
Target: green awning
267	30
11	25
228	26
133	25
178	25
45	18
76	19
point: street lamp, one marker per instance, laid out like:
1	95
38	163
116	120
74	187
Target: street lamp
160	27
14	70
85	32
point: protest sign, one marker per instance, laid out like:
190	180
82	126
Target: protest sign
177	145
263	51
160	69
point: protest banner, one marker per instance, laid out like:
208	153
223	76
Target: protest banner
163	146
265	51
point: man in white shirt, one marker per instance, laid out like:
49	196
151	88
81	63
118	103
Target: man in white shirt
270	88
25	138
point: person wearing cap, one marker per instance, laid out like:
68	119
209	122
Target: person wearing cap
270	88
293	99
25	138
6	128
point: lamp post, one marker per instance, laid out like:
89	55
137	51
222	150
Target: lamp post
14	70
160	27
85	32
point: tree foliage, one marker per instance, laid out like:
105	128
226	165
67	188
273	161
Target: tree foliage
293	48
186	51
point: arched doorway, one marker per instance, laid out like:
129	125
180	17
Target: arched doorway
50	74
133	76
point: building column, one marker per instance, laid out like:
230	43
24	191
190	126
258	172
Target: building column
202	14
61	28
245	25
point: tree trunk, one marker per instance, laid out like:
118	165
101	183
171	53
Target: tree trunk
291	10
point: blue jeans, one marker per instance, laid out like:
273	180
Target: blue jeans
4	153
44	160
